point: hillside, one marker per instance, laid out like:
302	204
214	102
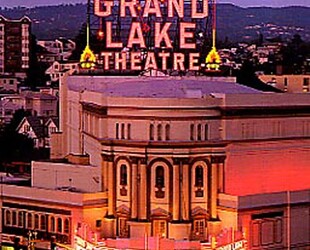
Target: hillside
239	23
234	23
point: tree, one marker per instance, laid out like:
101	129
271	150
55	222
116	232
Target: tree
246	76
15	146
294	55
36	72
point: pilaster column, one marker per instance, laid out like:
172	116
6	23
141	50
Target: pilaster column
104	168
111	184
215	164
134	187
176	189
142	179
184	188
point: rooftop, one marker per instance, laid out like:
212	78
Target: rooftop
159	87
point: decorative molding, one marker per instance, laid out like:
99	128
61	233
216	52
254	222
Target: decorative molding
178	160
218	159
137	160
108	158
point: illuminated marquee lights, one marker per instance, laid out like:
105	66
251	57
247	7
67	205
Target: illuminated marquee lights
141	58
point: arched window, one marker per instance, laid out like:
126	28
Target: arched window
29	221
192	132
43	222
59	225
8	220
123	175
20	219
160	177
167	132
14	218
159	132
36	221
52	227
151	132
67	226
199	128
199	176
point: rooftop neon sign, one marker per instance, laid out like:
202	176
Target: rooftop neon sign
134	53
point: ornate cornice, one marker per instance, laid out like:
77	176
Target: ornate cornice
137	160
216	159
179	160
108	158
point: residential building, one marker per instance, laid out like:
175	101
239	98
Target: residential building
60	47
36	103
9	83
7	110
39	129
288	83
59	68
14	45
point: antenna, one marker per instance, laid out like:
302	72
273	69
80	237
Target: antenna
88	59
213	59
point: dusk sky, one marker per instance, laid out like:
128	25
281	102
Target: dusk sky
272	3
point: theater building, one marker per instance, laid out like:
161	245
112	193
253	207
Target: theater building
186	158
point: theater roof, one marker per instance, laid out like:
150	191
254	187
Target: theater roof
157	87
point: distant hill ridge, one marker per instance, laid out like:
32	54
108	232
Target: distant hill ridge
234	23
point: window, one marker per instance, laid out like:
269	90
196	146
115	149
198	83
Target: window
206	132
199	228
98	223
42	222
159	182
53	130
199	176
59	225
160	177
123	175
8	220
192	132
151	132
36	221
67	226
52	227
128	131
20	219
117	131
167	132
199	128
123	227
14	218
159	132
29	221
306	84
160	228
123	131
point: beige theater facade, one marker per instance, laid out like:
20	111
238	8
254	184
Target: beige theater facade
186	158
